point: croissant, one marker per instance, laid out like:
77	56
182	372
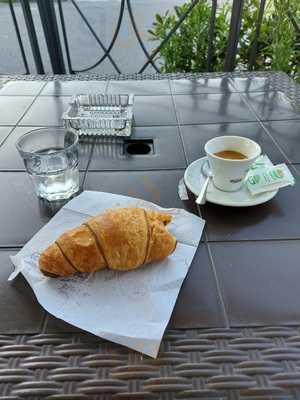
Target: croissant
120	239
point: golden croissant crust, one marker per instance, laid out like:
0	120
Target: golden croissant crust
121	239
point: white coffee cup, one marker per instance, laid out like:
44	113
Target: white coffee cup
228	174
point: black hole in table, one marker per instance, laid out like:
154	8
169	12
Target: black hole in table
138	147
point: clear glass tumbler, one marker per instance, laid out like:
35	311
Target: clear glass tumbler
50	156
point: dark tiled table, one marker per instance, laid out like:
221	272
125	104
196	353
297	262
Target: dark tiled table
4	132
211	108
10	159
140	87
201	85
15	107
221	342
195	136
45	110
271	105
167	151
286	134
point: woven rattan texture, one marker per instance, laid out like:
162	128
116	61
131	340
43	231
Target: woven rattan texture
261	363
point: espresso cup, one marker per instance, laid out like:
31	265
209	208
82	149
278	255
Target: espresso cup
228	174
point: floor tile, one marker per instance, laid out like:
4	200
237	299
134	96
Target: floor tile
252	84
160	187
46	111
4	132
21	88
167	151
12	108
272	106
69	88
198	304
20	312
287	135
195	137
259	281
154	110
212	108
143	87
279	218
201	85
11	160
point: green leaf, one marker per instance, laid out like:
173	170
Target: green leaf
159	18
278	46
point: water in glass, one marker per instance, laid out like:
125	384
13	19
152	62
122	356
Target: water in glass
54	169
54	177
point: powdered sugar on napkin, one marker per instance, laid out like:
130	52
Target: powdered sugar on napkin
130	308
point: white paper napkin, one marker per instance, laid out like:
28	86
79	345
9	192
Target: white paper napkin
130	308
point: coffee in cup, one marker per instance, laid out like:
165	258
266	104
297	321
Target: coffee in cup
231	155
229	158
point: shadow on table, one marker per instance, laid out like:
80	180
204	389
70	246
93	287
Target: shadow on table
239	223
49	208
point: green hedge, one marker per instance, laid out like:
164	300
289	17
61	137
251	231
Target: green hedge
278	45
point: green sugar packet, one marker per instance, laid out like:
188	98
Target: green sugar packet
263	176
261	162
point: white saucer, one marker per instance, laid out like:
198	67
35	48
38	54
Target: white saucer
194	179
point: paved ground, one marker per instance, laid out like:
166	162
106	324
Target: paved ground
84	49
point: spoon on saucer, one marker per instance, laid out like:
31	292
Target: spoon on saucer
201	199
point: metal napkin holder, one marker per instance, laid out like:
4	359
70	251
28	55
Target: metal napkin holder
100	115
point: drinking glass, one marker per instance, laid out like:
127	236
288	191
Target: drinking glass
50	156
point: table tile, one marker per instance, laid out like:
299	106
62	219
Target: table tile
46	111
154	110
287	135
22	214
198	304
11	160
56	325
252	84
160	187
259	281
4	132
279	218
19	212
201	85
195	137
21	88
272	106
168	151
12	108
19	310
69	88
212	108
140	87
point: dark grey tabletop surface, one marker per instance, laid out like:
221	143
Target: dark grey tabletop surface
234	332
